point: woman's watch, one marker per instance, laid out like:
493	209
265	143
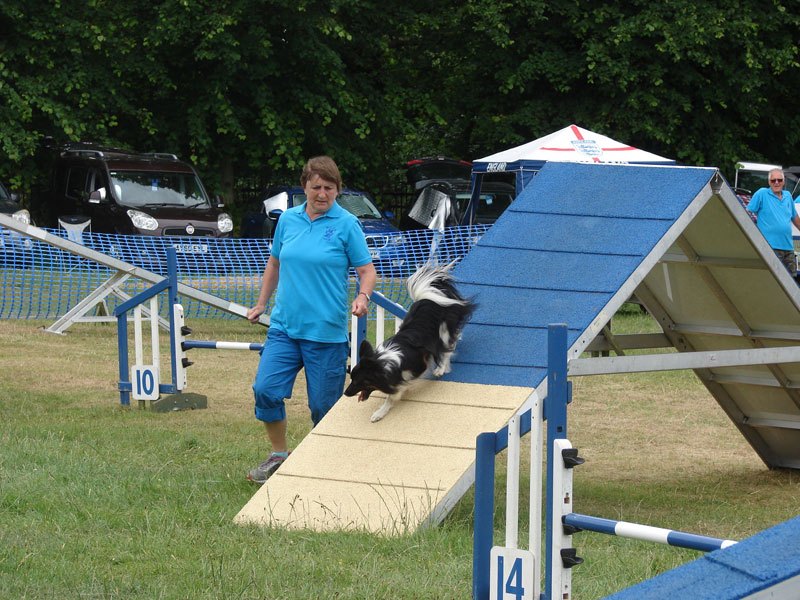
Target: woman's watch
365	295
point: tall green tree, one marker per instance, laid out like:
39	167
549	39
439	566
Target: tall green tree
251	88
61	74
706	83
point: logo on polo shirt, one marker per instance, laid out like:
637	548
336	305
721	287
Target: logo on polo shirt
328	235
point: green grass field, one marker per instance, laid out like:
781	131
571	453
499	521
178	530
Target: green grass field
101	502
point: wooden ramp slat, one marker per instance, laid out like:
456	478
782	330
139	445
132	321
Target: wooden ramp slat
388	477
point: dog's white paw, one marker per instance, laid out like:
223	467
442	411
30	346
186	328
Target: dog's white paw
443	366
381	412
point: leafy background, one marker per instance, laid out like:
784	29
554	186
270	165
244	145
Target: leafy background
248	89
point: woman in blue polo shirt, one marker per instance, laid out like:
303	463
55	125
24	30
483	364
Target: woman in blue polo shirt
314	246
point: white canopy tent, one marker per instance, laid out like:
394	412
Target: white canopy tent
571	144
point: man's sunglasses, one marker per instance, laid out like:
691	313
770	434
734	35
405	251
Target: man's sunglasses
776	180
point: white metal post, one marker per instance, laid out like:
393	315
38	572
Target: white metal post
137	335
535	517
512	484
353	341
380	315
154	333
180	354
561	587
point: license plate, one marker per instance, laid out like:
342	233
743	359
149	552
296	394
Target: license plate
191	248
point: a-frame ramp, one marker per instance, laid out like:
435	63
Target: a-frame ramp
573	248
122	270
387	477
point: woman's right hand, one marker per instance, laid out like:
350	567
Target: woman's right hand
255	312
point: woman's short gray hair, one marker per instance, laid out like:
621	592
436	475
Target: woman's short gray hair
325	168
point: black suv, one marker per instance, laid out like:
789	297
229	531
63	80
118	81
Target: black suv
442	193
125	192
421	171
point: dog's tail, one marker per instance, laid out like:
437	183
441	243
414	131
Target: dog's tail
434	283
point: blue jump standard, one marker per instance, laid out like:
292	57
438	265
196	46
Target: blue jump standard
170	285
562	253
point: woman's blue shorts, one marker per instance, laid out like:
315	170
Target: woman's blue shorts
281	360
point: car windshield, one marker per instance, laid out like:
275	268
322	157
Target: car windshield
490	206
358	204
792	184
7	205
155	188
4	194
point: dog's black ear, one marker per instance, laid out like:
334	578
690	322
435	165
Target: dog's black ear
365	349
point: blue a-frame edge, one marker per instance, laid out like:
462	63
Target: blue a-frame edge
769	559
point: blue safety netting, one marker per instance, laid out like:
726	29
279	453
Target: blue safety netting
40	281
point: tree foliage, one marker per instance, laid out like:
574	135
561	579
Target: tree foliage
251	88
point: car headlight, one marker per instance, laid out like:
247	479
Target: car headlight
225	223
23	216
142	220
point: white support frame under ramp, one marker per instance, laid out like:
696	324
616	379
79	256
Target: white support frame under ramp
727	309
616	365
78	313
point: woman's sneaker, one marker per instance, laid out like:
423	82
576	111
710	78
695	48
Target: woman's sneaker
265	470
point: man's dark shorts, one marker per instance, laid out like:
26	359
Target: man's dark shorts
789	260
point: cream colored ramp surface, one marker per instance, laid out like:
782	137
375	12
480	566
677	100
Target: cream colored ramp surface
388	477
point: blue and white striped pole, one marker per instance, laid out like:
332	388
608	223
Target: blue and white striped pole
210	345
646	533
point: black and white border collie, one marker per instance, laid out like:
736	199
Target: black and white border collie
426	339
